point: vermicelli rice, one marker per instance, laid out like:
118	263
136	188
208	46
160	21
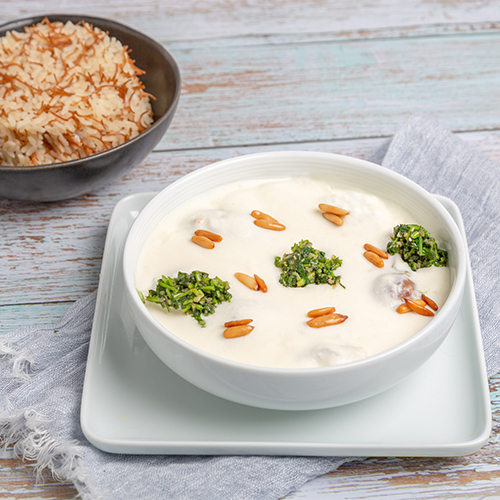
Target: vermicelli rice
67	91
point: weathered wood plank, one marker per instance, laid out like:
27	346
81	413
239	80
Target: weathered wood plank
186	21
57	255
17	480
326	91
20	315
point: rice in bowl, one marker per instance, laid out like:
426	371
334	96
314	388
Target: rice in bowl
67	91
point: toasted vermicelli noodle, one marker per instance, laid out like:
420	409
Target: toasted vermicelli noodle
67	91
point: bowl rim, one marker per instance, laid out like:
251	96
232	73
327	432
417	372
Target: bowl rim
455	294
30	20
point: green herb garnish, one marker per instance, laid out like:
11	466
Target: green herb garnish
416	247
306	266
196	294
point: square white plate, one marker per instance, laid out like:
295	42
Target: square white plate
133	403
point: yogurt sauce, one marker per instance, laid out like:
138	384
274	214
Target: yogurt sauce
281	338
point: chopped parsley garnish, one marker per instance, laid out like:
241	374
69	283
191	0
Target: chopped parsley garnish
307	266
196	294
416	247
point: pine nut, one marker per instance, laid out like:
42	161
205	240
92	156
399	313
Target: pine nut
248	281
430	302
331	209
418	309
260	283
375	250
257	214
208	234
237	331
374	259
269	224
326	320
403	309
314	313
237	322
203	241
333	218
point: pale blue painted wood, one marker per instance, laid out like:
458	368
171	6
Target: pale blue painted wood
322	91
216	23
16	316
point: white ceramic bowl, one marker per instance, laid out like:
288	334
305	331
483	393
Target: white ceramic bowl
298	389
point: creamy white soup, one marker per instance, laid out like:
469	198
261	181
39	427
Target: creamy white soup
281	337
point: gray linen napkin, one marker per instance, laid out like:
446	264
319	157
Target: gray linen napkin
42	368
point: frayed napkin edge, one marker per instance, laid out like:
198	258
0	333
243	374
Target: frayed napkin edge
24	431
20	361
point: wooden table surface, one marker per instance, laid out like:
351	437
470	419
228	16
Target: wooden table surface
337	76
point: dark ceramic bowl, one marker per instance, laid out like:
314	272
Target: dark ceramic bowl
60	181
